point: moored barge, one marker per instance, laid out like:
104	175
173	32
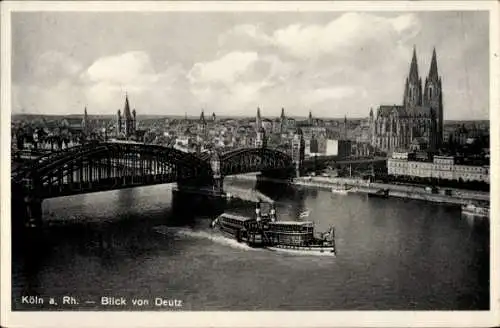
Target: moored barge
381	193
476	210
340	191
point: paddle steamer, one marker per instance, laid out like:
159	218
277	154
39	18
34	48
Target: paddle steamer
263	230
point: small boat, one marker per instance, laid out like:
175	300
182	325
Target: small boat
353	190
339	191
476	210
382	193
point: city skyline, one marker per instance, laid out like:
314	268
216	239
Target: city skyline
269	157
231	64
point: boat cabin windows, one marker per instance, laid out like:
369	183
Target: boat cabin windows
302	228
236	221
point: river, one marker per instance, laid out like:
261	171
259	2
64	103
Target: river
392	254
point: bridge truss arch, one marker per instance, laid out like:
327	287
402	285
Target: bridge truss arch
103	166
249	160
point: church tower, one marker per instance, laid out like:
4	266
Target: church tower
371	127
260	140
118	122
413	86
310	120
433	98
85	122
202	124
282	120
129	121
134	120
345	127
258	120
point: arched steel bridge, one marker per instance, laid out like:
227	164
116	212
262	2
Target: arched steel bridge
247	160
105	166
101	166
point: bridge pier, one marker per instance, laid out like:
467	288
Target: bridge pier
283	175
298	152
187	204
26	209
33	216
17	208
218	179
218	185
275	181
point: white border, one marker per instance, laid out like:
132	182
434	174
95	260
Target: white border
247	319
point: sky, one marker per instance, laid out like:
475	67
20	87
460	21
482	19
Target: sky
176	63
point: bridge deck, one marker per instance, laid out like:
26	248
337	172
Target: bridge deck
98	166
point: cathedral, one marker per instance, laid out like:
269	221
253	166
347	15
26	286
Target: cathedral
417	124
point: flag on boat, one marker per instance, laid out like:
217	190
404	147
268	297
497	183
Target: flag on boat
329	234
304	214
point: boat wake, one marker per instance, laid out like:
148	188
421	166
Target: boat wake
251	195
201	234
207	235
301	253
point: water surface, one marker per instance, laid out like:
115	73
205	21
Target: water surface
392	254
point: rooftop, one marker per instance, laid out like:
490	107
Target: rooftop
236	217
292	223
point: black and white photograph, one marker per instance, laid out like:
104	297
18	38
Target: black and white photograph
264	157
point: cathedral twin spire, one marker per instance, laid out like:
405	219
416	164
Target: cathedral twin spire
413	76
433	71
421	115
413	95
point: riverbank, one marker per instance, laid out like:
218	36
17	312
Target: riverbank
453	196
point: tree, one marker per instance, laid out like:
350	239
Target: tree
65	140
59	142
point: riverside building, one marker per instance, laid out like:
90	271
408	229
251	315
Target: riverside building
441	167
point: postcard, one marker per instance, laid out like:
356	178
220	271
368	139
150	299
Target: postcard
243	164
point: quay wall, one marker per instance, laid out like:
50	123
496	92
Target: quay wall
398	189
457	196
